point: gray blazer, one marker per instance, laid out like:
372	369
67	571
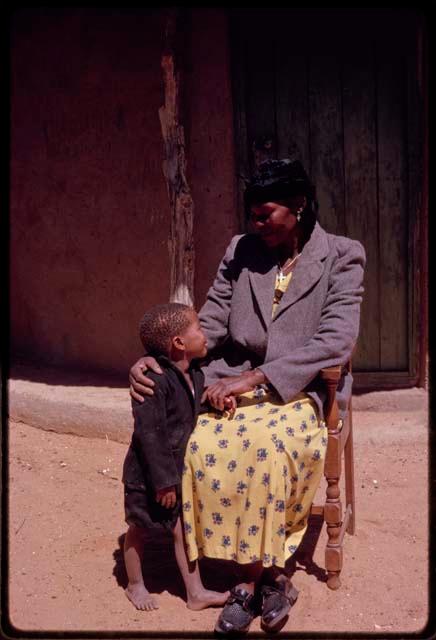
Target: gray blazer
316	324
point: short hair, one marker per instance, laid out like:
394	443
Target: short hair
161	323
281	180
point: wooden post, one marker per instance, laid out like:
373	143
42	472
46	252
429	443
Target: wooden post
181	240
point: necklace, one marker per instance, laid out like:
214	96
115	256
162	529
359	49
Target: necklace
282	276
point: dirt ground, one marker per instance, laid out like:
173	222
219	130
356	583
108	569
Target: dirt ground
66	530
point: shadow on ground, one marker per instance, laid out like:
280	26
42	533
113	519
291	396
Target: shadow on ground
161	572
303	559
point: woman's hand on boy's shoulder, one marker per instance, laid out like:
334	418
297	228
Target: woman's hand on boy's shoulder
140	384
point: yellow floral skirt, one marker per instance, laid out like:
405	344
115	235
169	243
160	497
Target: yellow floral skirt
249	482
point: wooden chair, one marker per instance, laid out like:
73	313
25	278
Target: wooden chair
339	447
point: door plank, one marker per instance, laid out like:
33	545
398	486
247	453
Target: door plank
291	85
417	138
260	99
361	183
326	126
393	210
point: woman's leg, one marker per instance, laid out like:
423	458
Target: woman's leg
278	596
133	555
197	596
252	576
243	604
276	577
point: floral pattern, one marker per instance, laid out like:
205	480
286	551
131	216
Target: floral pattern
248	483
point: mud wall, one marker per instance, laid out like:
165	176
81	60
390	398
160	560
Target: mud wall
88	206
210	144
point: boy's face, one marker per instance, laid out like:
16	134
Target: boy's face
194	339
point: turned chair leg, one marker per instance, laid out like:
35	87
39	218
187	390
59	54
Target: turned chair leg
349	475
333	518
332	471
340	440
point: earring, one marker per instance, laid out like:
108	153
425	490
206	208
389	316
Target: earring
298	216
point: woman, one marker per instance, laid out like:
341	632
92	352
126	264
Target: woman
284	304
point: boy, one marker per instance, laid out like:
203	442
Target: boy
154	462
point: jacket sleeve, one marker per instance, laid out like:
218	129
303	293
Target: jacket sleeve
151	439
214	314
337	332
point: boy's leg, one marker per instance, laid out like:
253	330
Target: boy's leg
197	596
133	555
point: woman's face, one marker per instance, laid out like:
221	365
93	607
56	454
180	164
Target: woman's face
276	221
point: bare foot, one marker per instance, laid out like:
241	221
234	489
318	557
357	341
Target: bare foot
140	597
206	598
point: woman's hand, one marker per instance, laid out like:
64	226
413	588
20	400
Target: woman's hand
166	497
220	393
140	385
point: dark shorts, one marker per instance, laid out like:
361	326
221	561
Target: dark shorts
141	510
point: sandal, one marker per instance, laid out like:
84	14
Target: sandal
238	613
276	604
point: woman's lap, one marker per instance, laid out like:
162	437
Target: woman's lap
249	482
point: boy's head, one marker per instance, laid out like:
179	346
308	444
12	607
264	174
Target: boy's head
172	329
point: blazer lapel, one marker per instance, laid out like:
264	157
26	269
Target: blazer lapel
308	270
262	281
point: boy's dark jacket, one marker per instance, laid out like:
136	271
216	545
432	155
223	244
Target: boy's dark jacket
162	426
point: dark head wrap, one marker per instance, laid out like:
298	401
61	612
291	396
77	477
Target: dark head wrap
277	180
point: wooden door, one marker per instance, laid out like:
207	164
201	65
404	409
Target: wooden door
339	90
